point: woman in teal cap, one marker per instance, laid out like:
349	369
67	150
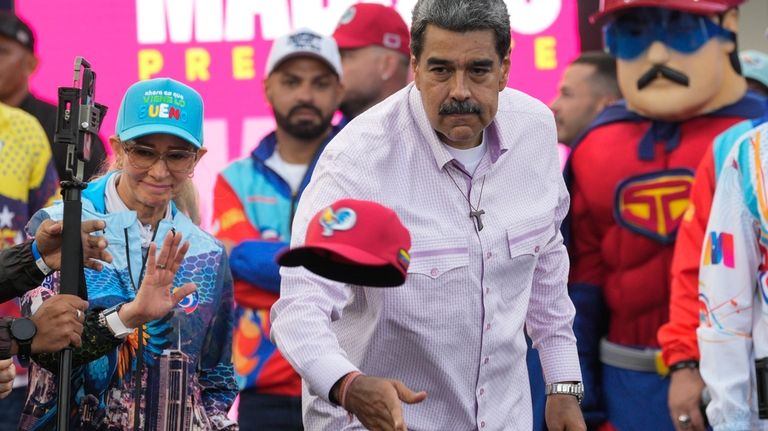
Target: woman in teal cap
156	356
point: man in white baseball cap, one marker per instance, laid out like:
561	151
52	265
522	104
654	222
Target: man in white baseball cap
253	211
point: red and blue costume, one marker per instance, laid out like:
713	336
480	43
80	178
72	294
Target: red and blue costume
630	179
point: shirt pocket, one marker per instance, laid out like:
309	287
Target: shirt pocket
434	257
525	243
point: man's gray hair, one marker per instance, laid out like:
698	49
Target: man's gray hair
461	16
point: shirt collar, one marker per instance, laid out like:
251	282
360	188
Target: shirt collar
496	146
114	203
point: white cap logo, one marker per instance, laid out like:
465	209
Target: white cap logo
348	16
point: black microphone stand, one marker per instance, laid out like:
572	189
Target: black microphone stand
78	121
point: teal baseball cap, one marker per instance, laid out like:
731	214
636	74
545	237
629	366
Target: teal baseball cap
161	105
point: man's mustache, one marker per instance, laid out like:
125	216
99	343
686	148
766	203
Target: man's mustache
455	107
312	108
663	71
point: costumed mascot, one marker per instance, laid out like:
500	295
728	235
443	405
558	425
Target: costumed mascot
630	177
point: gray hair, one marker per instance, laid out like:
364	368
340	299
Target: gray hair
461	16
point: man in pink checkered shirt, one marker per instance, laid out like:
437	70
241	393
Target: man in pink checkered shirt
471	168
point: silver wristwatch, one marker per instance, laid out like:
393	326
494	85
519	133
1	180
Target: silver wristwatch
110	319
575	389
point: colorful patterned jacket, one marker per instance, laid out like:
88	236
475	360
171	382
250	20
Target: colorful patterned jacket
733	286
253	208
678	336
182	361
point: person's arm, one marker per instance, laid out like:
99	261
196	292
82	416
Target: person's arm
216	372
251	258
727	280
154	300
585	289
255	262
24	266
677	337
549	320
18	271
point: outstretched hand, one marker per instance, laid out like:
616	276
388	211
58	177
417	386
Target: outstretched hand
156	296
376	402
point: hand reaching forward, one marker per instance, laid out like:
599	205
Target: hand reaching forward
49	236
376	402
7	374
156	296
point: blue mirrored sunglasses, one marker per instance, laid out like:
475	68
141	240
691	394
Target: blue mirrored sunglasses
631	34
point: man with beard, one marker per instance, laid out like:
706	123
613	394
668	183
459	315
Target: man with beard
373	41
254	202
630	179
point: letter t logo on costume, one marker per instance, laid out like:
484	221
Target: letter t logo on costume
719	250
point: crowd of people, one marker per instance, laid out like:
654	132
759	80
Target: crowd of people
464	273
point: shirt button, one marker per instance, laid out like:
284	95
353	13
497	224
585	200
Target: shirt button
487	290
482	424
488	327
482	391
488	255
485	361
536	250
434	272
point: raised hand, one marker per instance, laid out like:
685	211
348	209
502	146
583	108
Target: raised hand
376	402
156	296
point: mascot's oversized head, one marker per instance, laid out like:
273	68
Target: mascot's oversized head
676	59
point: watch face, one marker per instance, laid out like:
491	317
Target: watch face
23	329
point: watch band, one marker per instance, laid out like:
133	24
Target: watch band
41	265
111	319
23	330
574	389
679	365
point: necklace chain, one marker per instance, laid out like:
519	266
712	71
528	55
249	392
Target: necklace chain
475	212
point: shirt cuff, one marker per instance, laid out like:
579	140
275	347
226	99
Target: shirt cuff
325	372
560	363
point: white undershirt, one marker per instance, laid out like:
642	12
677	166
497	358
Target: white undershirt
292	173
114	204
471	157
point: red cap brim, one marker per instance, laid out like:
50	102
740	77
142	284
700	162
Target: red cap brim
344	263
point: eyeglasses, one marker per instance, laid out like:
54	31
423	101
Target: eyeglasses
632	33
177	161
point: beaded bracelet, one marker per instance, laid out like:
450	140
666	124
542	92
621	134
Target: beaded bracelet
345	385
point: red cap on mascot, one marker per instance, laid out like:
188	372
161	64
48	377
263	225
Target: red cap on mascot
703	7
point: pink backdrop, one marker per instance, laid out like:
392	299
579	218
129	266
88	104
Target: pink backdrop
219	47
